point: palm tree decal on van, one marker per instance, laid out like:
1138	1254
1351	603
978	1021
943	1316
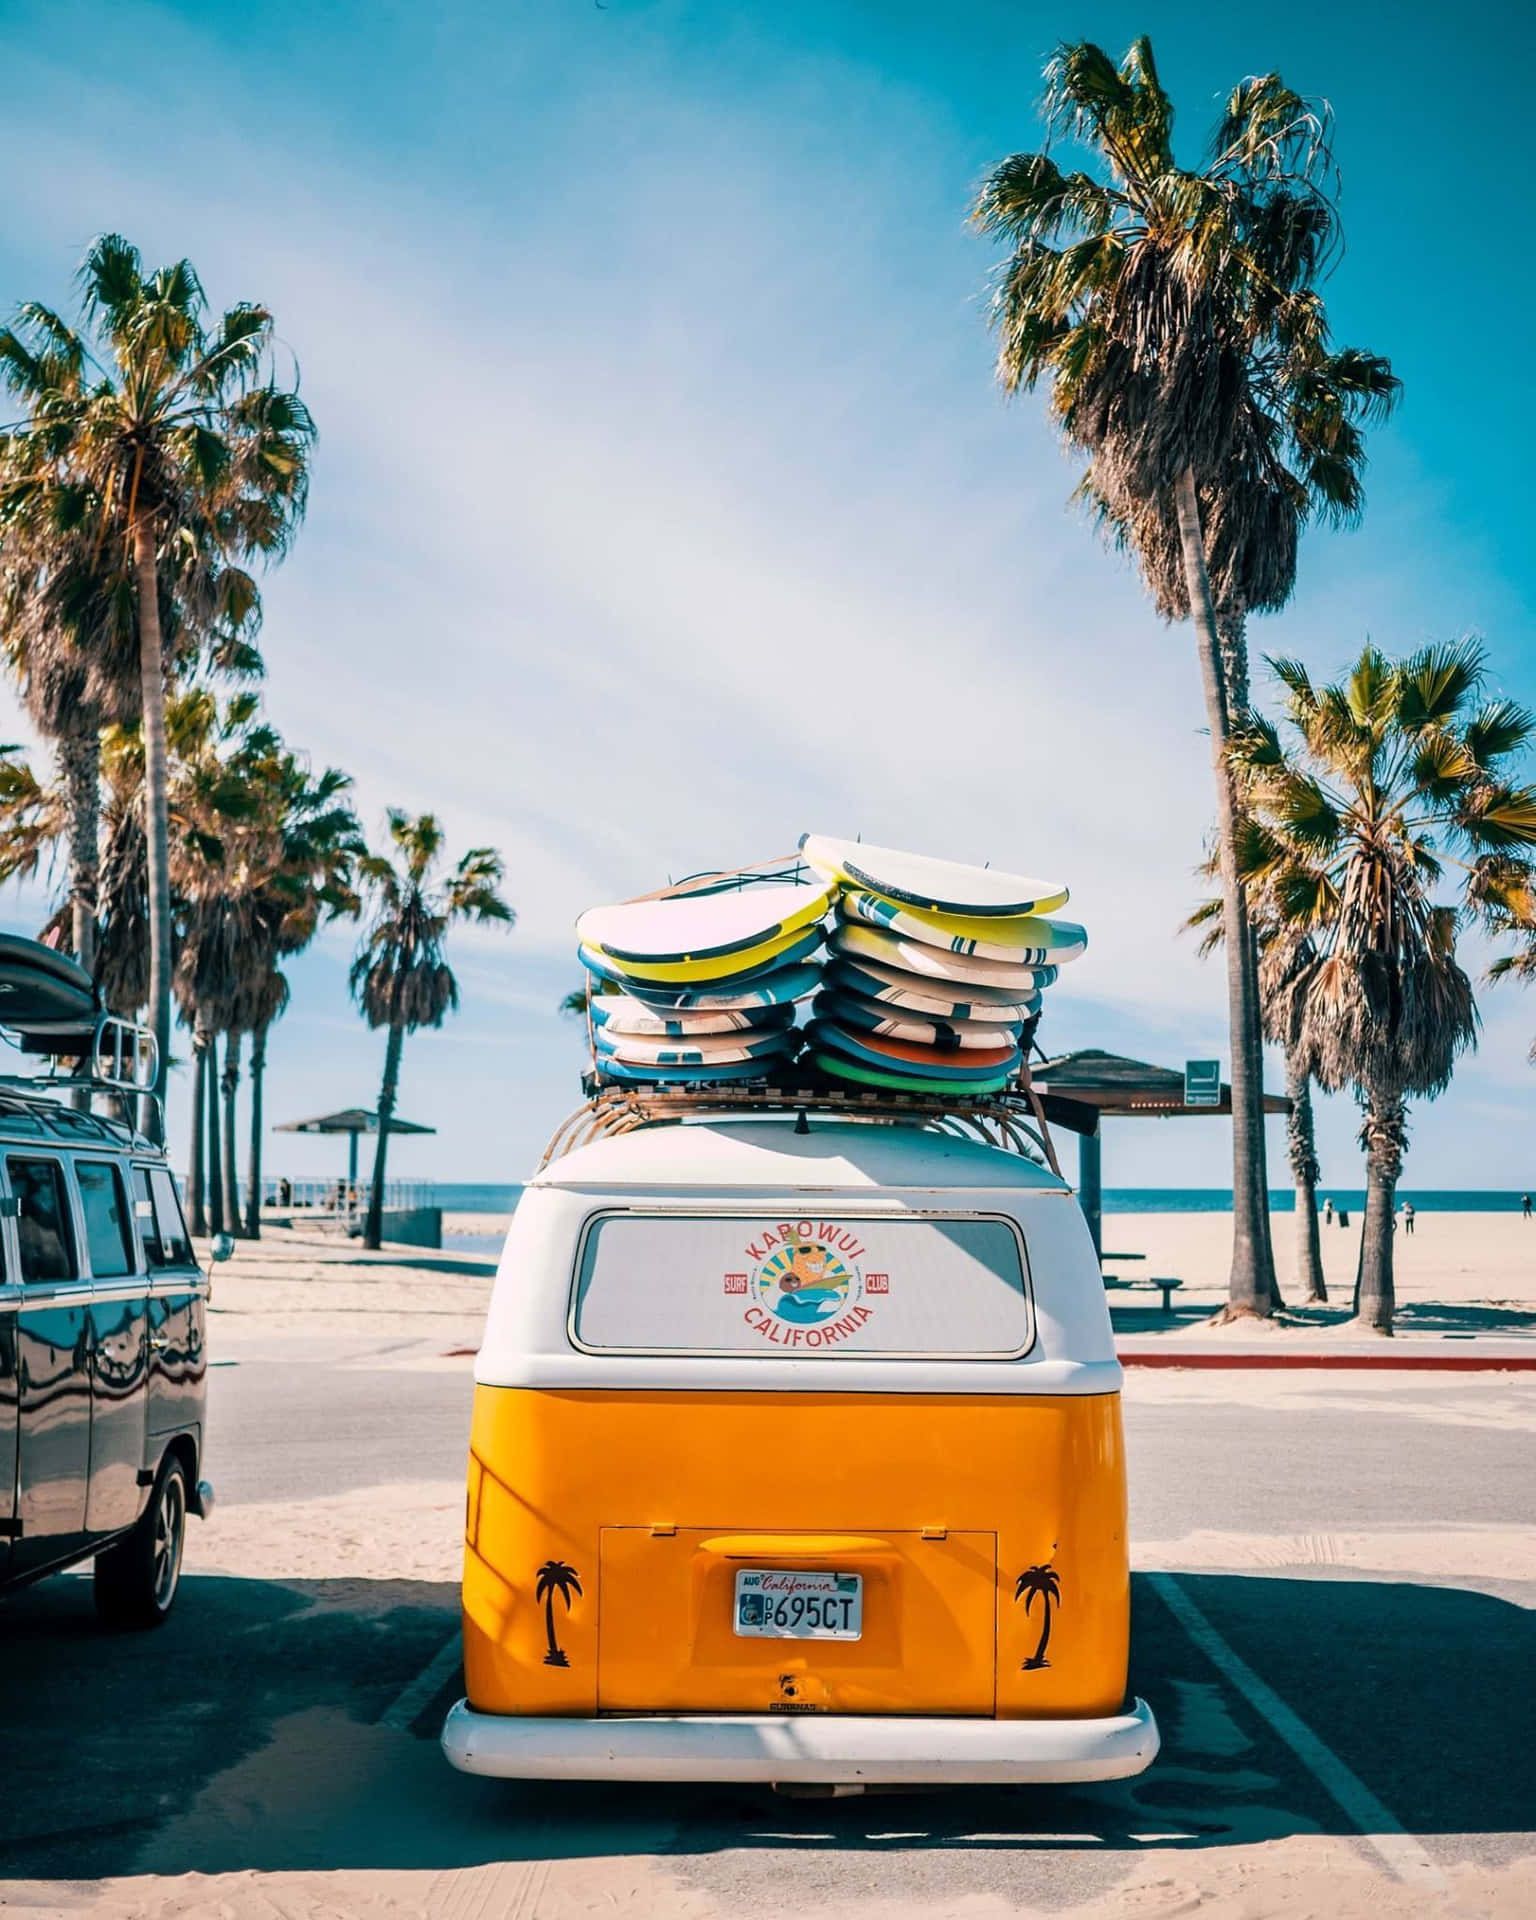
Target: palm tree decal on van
555	1577
1046	1582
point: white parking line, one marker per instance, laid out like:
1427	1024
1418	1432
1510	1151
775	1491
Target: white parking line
1398	1850
405	1706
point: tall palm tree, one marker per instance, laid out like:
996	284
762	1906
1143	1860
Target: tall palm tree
552	1578
1392	776
70	690
268	1005
309	883
1506	903
1174	314
261	854
1044	1583
1278	952
399	977
190	456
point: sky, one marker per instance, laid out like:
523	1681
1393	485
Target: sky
665	506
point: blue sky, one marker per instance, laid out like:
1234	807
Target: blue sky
664	507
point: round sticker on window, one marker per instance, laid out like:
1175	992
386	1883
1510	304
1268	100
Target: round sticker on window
804	1283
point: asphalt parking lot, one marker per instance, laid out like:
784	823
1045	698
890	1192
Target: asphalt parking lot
284	1727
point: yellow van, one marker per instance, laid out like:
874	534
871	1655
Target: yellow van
797	1457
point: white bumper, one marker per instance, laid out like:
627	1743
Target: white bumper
824	1749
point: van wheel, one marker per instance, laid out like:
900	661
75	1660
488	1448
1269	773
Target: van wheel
136	1580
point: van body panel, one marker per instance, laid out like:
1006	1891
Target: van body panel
622	1494
119	1404
178	1361
667	1642
10	1414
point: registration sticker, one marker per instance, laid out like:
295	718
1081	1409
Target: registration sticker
777	1604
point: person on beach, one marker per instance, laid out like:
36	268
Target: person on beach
1408	1216
1328	1213
1525	1205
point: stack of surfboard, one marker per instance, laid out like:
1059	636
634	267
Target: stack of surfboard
696	988
934	968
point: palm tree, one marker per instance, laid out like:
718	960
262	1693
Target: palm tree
191	458
552	1578
399	977
309	884
1175	315
270	1005
1395	773
1046	1582
1279	953
1281	959
70	691
1506	903
261	854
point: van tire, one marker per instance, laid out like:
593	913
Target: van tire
136	1581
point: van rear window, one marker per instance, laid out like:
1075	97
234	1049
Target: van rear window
812	1288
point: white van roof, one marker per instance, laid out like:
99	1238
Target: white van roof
832	1156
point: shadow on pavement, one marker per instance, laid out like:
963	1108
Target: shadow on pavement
245	1735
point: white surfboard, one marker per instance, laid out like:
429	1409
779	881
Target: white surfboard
966	933
941	886
701	1050
957	969
858	1015
681	929
623	1013
892	987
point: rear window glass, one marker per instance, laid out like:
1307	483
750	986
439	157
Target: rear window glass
803	1289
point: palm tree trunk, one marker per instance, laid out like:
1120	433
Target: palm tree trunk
1232	632
1251	1284
156	822
228	1086
195	1164
1304	1171
80	765
253	1158
1382	1137
211	1122
374	1231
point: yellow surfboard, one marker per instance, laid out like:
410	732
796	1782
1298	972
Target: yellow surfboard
715	966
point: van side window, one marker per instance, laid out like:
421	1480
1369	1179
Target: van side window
42	1224
106	1218
175	1241
144	1219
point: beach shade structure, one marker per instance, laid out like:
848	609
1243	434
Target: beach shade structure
351	1121
1079	1091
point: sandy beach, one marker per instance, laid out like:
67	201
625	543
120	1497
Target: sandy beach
1481	1267
1476	1270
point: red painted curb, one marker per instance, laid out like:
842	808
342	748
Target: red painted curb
1382	1362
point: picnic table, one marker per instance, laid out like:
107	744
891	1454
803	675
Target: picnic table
1165	1286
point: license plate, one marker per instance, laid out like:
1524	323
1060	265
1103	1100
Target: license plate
772	1604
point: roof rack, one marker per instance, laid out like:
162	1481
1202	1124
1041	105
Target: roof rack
1013	1121
114	1057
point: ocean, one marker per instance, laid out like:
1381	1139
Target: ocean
502	1199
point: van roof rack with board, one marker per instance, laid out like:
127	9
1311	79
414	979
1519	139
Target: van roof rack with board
50	1006
1014	1121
